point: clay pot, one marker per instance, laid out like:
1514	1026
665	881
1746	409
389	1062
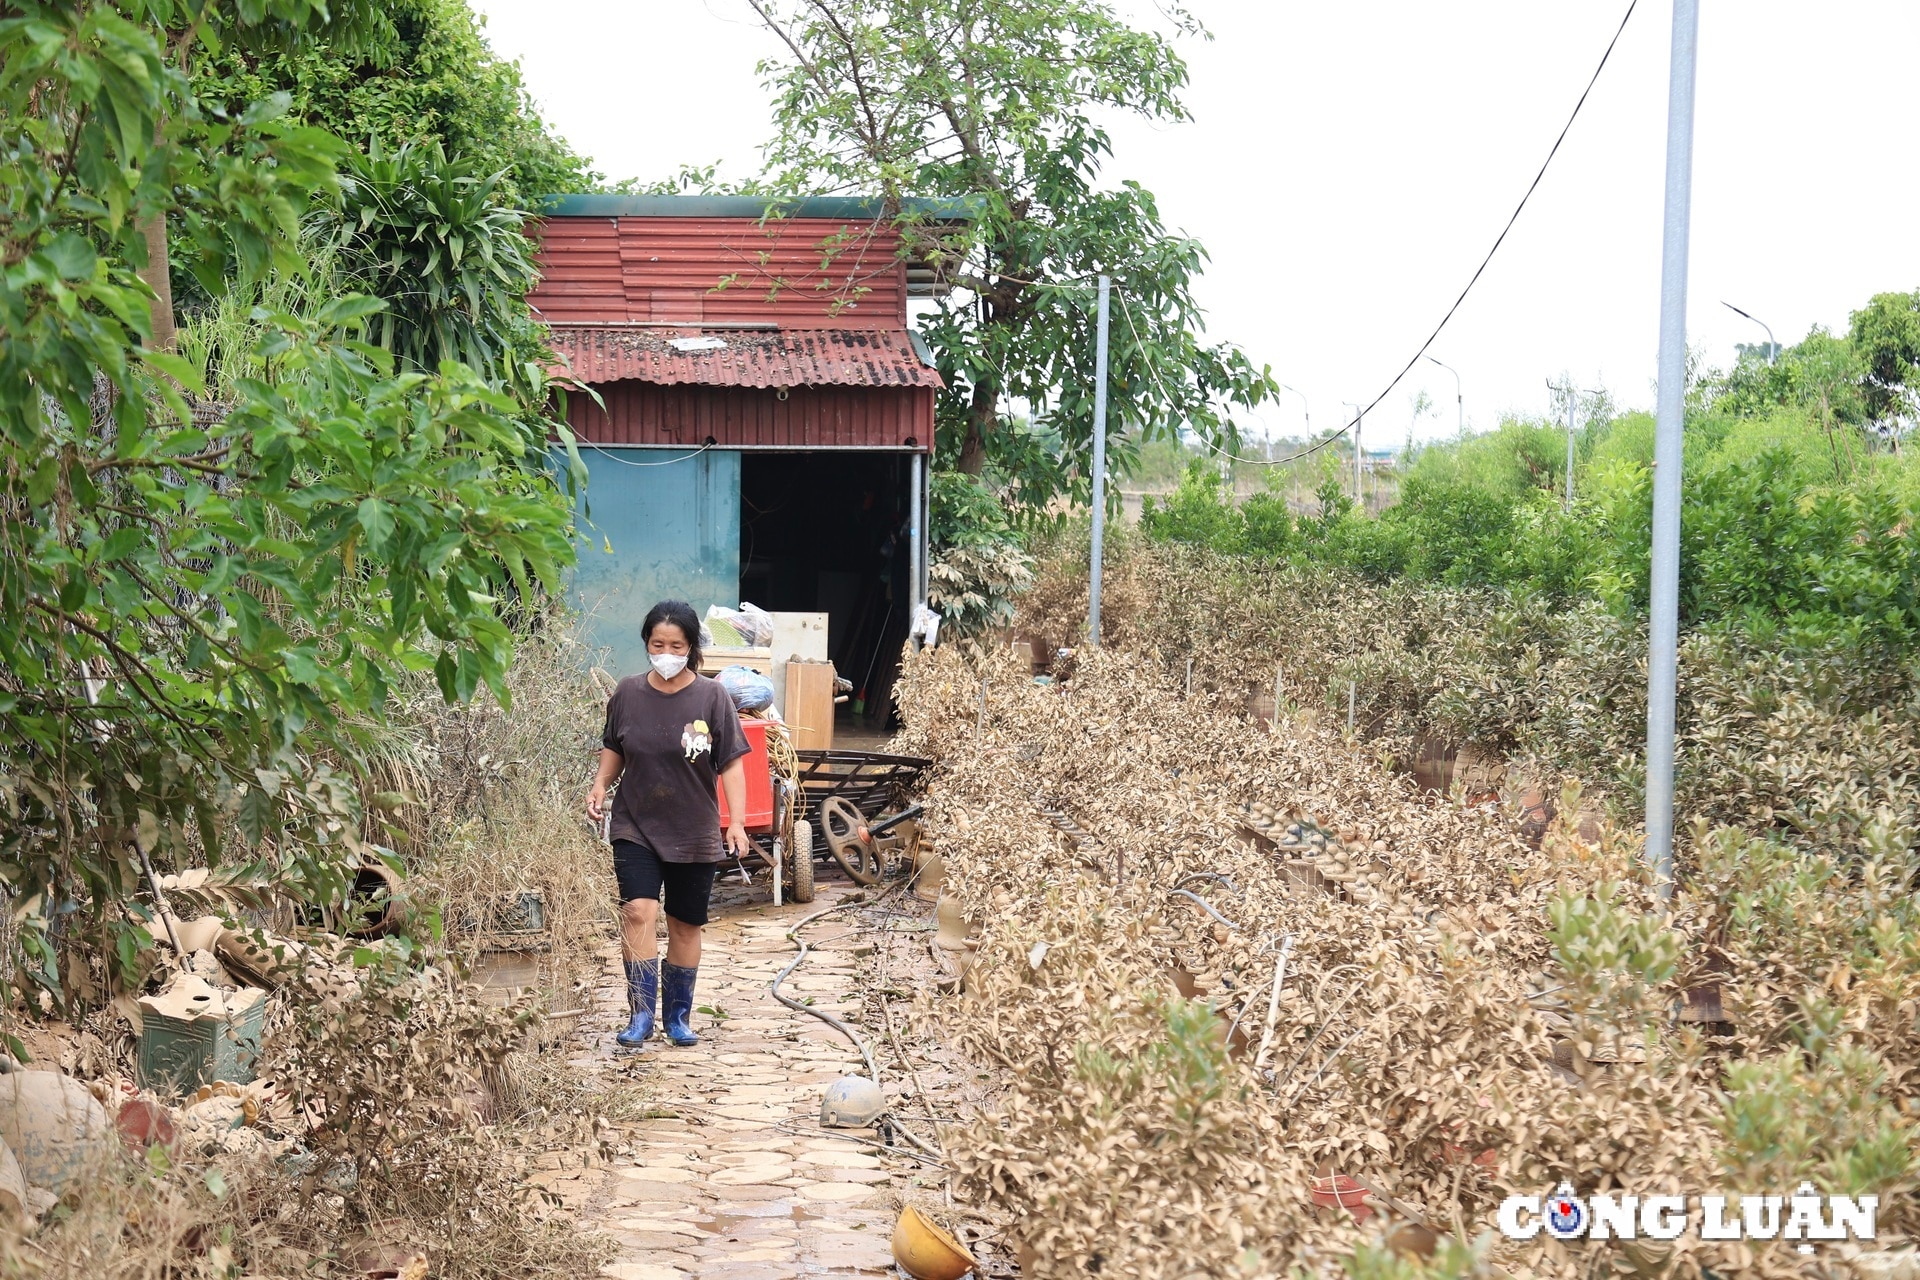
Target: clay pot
1412	1240
929	872
1331	1190
1454	1153
142	1123
955	930
55	1127
370	919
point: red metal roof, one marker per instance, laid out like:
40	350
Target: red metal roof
823	273
802	358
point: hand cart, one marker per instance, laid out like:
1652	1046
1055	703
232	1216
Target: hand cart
782	840
842	788
839	788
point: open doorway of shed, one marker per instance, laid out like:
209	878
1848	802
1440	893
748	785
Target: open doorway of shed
826	532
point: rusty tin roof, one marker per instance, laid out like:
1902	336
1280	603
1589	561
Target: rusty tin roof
797	358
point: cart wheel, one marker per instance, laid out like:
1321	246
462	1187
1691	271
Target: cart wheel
800	862
842	823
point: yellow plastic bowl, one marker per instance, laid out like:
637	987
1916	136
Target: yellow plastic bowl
925	1251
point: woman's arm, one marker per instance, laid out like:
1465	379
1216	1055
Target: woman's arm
733	781
609	772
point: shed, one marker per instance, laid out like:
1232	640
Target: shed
754	412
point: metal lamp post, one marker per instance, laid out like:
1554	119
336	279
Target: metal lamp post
1669	419
1306	410
1567	389
1459	401
1306	413
1772	346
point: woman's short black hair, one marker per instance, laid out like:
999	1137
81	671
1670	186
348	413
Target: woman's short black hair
681	615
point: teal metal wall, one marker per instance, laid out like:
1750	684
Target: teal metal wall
649	533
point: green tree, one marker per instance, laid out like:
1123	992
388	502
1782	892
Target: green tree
1886	337
207	597
431	237
424	74
998	105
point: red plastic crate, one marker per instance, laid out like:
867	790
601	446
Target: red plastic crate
759	779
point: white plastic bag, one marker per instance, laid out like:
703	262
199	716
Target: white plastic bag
748	627
759	625
925	626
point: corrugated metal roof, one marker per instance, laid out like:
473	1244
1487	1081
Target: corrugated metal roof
756	207
817	273
806	418
800	358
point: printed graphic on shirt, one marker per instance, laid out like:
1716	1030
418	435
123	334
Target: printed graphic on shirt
696	740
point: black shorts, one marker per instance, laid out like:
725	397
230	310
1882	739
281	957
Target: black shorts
640	873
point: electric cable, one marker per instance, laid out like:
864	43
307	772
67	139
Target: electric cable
625	463
1478	272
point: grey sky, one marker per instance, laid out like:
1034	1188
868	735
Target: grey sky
1349	164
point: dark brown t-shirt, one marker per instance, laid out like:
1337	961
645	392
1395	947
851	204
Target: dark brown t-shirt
674	746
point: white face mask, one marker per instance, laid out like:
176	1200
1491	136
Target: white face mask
668	665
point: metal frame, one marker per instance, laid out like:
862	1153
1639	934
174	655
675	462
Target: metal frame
867	780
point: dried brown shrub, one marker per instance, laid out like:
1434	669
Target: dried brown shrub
1461	1015
1806	745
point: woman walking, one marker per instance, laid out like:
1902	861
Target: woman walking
670	733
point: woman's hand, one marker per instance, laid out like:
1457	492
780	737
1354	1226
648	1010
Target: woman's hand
611	767
738	843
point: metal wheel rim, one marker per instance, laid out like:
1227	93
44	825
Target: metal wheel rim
840	822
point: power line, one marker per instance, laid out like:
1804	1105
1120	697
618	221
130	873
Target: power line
1478	272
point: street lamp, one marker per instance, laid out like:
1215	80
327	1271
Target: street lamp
1459	401
1567	389
1306	410
1359	495
1772	346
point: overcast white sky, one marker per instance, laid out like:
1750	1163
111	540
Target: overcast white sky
1348	164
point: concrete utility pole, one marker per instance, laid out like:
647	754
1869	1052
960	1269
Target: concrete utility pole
1669	421
1459	401
1099	466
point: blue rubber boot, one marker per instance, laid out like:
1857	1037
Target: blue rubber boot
676	1003
643	993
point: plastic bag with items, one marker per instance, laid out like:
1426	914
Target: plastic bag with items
748	627
750	690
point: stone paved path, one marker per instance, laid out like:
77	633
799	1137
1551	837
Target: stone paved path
742	1183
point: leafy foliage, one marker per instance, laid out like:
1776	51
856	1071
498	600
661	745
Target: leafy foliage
999	106
1886	335
980	565
424	75
431	237
204	598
